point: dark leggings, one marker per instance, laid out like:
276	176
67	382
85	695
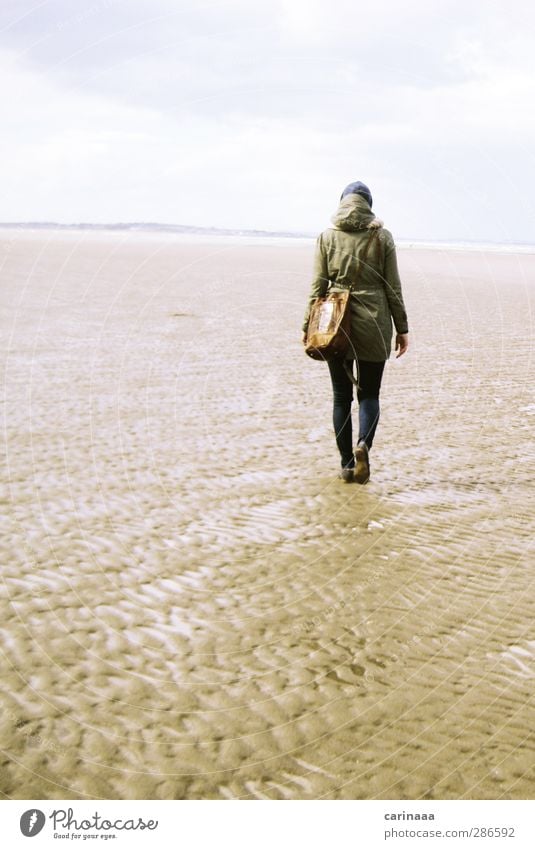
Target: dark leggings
369	376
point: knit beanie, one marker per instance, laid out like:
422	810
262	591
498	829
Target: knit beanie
358	188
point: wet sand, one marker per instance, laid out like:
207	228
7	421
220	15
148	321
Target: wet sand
193	605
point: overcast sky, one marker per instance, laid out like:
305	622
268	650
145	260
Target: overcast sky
255	115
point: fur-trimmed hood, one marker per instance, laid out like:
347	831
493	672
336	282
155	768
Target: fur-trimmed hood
354	213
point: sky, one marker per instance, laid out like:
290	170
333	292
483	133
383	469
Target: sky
255	115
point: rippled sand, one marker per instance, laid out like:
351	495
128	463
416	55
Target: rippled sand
193	605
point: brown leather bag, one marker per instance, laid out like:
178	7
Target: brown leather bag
329	326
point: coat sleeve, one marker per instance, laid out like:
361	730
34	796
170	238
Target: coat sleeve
320	279
393	286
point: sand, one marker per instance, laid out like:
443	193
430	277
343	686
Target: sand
193	605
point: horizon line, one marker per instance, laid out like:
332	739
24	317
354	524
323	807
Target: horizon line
193	229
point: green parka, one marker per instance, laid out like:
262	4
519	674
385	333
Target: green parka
377	299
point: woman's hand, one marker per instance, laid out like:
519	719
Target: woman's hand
402	343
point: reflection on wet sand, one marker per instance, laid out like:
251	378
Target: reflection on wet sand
195	606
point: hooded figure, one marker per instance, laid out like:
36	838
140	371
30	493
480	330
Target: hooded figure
376	303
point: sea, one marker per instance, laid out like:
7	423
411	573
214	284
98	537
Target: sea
184	233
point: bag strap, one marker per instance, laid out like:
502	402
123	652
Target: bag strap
348	366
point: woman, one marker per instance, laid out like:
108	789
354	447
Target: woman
376	300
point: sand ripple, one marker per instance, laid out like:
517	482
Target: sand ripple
193	605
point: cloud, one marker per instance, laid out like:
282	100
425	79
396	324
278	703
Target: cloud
236	115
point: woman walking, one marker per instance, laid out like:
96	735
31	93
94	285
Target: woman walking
357	253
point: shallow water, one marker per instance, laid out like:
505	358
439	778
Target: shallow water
194	605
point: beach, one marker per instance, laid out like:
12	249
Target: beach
194	606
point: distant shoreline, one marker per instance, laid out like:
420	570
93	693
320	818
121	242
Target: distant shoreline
151	227
262	235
